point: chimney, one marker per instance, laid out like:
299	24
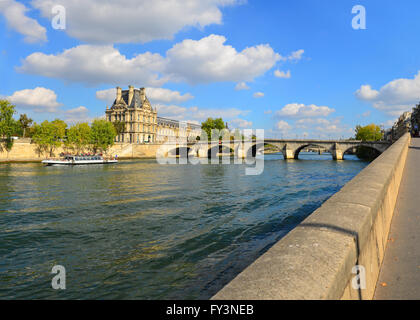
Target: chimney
119	95
130	94
142	95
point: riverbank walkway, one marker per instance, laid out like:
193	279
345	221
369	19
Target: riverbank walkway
399	277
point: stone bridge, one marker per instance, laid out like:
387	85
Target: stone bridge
244	149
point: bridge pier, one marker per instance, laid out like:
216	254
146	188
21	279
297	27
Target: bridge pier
203	152
288	153
240	153
337	154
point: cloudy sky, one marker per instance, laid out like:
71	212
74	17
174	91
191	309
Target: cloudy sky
296	68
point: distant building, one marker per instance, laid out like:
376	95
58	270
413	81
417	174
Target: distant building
142	125
170	130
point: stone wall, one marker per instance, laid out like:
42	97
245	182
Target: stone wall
317	259
24	150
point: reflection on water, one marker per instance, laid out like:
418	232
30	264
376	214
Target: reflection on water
140	230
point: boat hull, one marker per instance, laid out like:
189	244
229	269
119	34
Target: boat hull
76	162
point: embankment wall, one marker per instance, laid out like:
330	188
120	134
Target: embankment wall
24	150
318	258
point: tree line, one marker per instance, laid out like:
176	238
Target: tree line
49	135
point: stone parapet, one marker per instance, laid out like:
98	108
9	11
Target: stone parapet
320	257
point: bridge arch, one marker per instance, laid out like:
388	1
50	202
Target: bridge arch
252	151
219	150
300	148
377	151
180	152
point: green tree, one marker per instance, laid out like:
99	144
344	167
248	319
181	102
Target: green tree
78	136
211	124
371	132
7	124
102	135
25	123
60	129
49	135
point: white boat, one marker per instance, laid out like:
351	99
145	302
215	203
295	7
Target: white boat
78	160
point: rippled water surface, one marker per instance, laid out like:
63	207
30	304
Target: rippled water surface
140	230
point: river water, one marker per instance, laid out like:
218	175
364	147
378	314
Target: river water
141	230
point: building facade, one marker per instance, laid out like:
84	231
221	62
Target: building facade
170	130
141	123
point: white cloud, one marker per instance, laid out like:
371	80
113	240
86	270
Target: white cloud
330	128
304	123
366	93
171	111
75	115
323	128
194	61
258	94
107	95
95	65
15	14
194	113
43	100
393	110
393	98
39	99
125	21
240	123
242	86
298	110
155	95
296	55
282	74
283	126
210	60
389	123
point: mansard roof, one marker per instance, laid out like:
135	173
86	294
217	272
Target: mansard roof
135	102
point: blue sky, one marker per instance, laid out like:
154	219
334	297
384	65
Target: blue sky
294	68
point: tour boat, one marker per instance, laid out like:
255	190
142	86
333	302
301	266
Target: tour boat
79	160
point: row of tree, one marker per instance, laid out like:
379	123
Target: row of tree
49	135
98	136
9	125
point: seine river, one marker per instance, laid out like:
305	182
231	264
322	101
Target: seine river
140	230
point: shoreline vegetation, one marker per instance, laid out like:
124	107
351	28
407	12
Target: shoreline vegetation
48	136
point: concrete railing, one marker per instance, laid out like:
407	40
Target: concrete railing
317	259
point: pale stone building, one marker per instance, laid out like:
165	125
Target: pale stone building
142	125
170	130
